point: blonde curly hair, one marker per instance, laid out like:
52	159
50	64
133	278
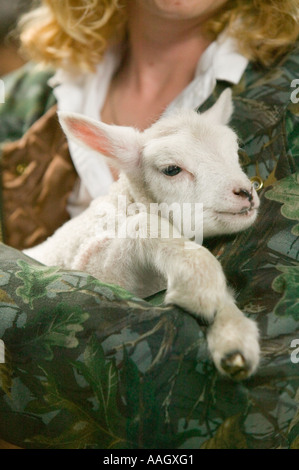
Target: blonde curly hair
77	32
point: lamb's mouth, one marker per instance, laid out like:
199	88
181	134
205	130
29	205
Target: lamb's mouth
245	212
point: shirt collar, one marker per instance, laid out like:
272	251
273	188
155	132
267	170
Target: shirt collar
223	59
220	61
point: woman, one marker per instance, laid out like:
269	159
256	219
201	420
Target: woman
127	63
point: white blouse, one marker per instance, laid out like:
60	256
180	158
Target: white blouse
86	94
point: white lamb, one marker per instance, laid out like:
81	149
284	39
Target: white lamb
182	158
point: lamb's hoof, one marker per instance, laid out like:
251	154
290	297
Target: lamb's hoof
235	366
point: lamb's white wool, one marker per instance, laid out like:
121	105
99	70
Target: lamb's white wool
184	158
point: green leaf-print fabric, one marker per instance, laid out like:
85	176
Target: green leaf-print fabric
35	281
91	366
286	191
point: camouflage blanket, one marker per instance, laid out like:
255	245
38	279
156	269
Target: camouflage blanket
88	365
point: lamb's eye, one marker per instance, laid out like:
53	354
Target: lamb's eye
172	170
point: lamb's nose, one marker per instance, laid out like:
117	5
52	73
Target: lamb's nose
244	194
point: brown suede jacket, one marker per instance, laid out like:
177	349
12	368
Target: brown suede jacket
37	178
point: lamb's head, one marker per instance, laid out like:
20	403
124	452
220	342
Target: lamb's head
183	158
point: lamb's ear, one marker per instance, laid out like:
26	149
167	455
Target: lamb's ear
222	110
118	143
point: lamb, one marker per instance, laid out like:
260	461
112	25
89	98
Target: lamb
182	158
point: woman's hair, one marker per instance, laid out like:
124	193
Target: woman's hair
77	32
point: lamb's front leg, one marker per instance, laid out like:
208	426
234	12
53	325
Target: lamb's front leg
196	282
